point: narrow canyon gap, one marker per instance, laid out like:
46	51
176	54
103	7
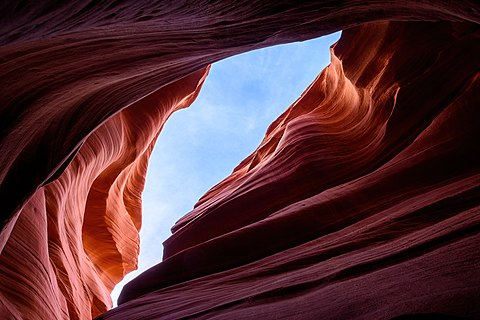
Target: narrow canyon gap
362	201
201	145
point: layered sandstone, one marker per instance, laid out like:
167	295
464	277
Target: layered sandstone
362	200
77	237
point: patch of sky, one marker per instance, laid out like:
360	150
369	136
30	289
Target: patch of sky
201	145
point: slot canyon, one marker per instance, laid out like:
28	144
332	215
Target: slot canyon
361	202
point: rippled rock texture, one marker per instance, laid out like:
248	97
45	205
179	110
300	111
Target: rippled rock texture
362	201
78	235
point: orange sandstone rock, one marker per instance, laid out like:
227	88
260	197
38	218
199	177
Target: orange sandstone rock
362	200
78	235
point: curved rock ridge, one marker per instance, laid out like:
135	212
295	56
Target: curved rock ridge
362	201
74	65
78	236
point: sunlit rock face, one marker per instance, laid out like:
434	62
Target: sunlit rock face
362	200
78	236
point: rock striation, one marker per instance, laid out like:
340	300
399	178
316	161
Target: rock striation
77	237
362	201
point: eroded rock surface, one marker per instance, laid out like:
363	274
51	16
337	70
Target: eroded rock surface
362	200
77	237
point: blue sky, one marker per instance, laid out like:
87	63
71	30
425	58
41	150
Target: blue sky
201	145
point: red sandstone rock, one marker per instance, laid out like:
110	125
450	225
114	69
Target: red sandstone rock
362	200
77	237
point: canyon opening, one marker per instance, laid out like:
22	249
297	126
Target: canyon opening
362	200
201	145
